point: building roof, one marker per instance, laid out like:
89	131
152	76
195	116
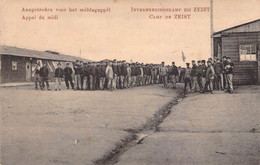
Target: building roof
44	55
252	26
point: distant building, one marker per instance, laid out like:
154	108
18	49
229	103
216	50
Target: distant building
17	64
241	43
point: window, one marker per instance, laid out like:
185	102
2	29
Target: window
247	52
14	65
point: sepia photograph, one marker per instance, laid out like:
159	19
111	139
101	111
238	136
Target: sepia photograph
129	82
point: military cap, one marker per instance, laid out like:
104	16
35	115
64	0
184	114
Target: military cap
228	57
173	62
187	63
193	61
203	61
224	57
199	61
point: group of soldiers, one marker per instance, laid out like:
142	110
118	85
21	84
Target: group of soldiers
217	74
112	75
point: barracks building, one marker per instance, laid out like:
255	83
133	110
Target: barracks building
17	64
241	43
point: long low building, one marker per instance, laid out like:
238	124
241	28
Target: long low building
17	64
241	43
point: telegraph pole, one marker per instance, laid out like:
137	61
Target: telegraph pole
211	29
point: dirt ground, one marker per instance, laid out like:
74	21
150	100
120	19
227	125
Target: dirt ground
71	127
205	129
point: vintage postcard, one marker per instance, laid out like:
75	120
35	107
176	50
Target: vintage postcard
129	82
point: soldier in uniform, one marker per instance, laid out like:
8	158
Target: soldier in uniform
229	72
173	71
109	76
77	76
58	76
37	79
44	73
194	80
116	75
163	74
68	76
187	78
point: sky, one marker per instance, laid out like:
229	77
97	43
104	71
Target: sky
122	34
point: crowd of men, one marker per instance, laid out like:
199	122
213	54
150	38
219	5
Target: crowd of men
112	75
215	75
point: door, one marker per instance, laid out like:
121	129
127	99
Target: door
28	71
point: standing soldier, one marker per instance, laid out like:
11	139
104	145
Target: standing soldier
119	70
109	76
173	70
77	76
210	74
102	78
58	76
93	73
224	72
85	76
229	72
124	74
44	73
163	74
116	76
98	68
199	73
203	77
68	78
187	77
194	80
81	74
37	79
219	68
133	74
128	77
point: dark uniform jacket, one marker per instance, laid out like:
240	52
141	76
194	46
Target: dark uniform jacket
102	71
78	69
119	70
115	69
44	72
193	70
123	70
67	72
219	67
93	71
173	70
86	70
58	73
229	68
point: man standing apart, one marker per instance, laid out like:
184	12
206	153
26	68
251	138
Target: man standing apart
68	78
44	72
229	72
58	76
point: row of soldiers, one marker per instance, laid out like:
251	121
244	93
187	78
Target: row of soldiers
215	75
109	75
